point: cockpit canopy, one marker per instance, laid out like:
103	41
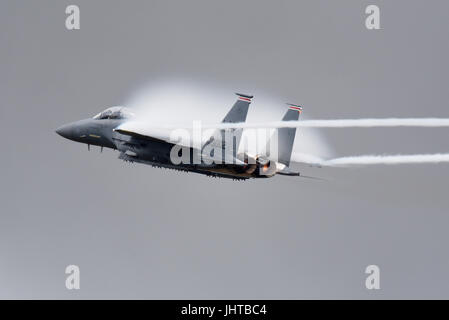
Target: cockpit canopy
114	113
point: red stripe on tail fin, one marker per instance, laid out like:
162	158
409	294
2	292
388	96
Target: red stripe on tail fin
244	97
295	107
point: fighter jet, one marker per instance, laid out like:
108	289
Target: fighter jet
217	157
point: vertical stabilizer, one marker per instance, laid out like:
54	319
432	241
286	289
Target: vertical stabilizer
286	136
237	114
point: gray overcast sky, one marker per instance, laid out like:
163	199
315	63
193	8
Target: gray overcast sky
139	232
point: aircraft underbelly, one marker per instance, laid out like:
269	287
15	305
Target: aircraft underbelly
222	172
225	171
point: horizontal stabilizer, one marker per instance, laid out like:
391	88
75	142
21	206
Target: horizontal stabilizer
286	171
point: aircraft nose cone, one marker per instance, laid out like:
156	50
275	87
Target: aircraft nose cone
65	131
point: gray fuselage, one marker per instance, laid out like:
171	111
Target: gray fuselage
141	149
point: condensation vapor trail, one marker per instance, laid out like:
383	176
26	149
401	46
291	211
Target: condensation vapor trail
341	123
372	159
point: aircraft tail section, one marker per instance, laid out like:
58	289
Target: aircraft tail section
286	136
237	114
239	110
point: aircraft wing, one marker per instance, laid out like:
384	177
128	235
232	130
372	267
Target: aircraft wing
146	132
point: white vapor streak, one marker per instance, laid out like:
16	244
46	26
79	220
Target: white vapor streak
341	123
372	159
